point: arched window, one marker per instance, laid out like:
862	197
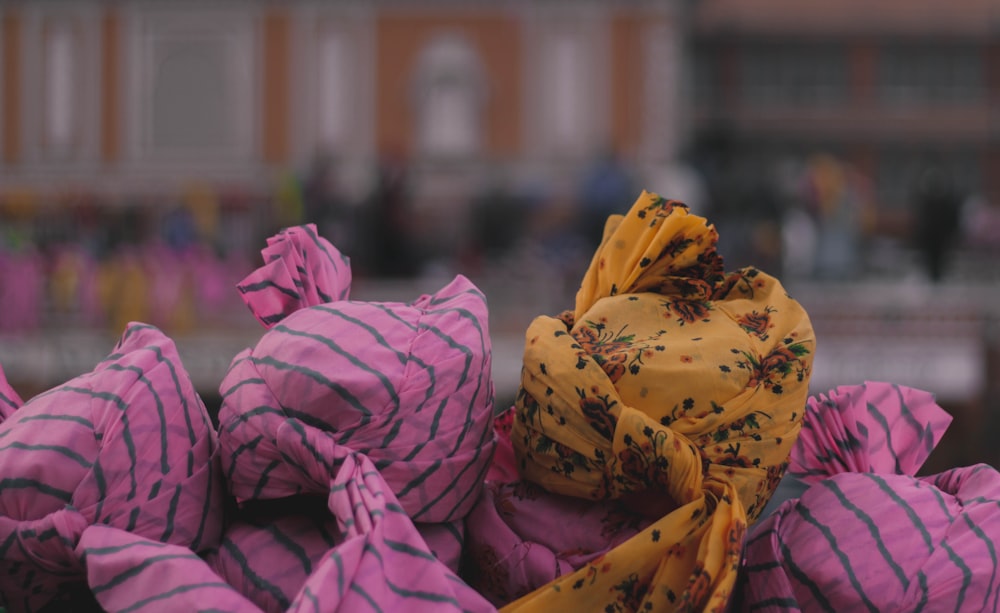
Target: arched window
61	88
450	96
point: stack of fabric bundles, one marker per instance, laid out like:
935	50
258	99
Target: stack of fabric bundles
653	424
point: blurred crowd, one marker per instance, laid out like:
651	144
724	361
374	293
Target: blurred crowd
84	260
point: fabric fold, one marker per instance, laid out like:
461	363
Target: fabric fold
268	554
127	572
301	269
382	564
875	427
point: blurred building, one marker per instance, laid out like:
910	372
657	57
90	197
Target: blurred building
147	148
140	95
890	89
890	86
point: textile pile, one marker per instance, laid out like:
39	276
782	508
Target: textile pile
663	454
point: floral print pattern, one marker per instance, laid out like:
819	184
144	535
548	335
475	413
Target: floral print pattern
616	352
670	377
756	323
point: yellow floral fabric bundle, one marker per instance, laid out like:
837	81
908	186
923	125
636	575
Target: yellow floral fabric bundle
674	387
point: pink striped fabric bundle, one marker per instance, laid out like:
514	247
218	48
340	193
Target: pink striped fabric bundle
125	454
867	534
337	385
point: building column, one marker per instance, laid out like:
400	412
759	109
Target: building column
12	86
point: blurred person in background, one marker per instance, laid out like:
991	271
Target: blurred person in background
937	227
498	218
743	199
606	184
836	195
387	247
325	204
679	180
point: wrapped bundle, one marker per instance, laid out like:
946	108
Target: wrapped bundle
338	389
867	534
673	390
124	454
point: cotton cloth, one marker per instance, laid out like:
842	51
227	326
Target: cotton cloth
336	385
380	562
868	535
674	388
269	553
126	450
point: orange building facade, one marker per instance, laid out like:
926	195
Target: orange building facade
123	96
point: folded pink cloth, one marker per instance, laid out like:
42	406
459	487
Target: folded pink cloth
867	534
128	446
409	385
383	563
268	555
377	560
405	386
876	427
541	536
301	269
129	573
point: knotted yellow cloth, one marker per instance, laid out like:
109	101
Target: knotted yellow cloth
675	387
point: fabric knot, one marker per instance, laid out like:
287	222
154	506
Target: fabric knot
301	269
312	452
646	457
46	544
